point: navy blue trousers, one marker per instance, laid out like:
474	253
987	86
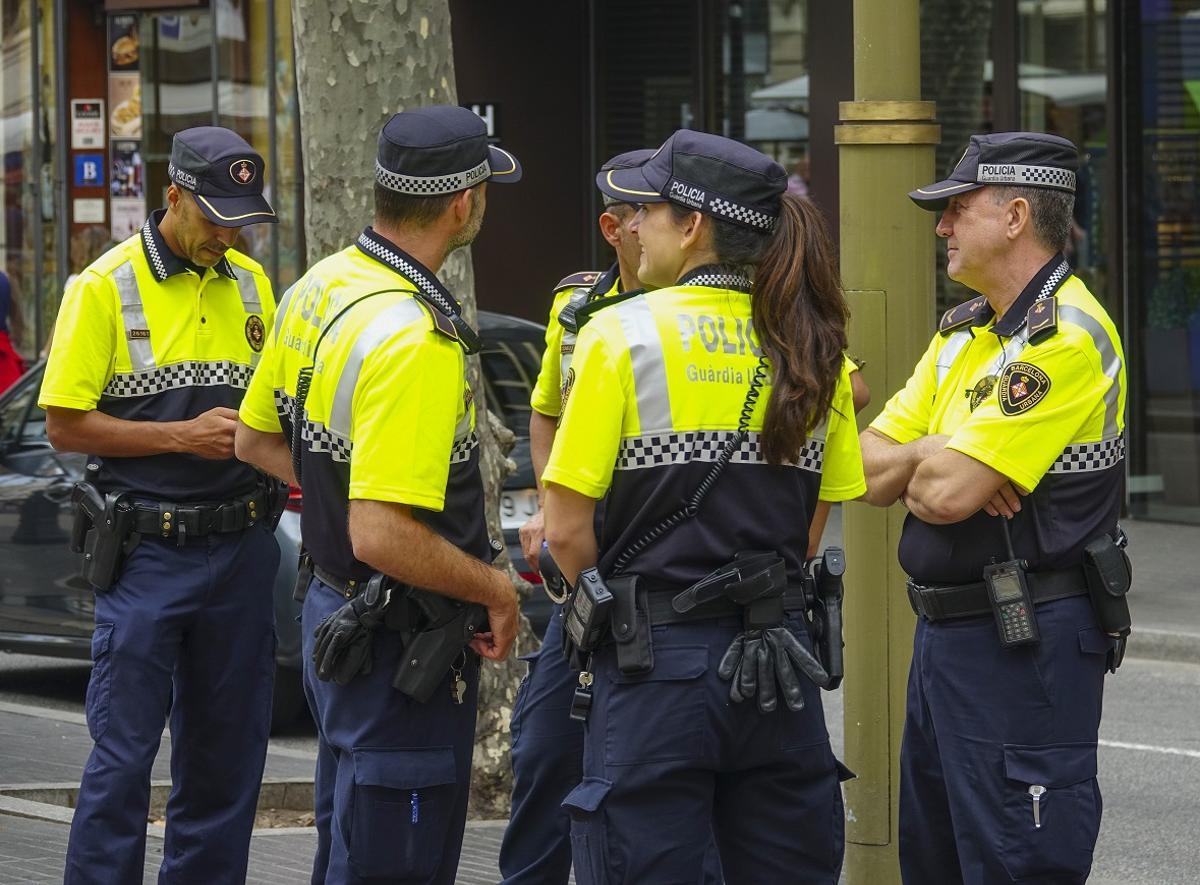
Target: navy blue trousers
189	630
670	762
392	774
547	762
984	724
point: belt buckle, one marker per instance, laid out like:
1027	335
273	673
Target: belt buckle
924	601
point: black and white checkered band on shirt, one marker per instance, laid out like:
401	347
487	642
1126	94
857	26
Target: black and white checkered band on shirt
1088	457
407	266
659	450
716	278
1054	280
432	185
461	451
190	373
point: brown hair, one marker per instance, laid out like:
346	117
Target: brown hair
799	313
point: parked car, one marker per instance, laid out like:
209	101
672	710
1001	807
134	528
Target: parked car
47	609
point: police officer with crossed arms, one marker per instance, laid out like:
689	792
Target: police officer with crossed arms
1007	447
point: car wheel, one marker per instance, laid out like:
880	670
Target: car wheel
288	701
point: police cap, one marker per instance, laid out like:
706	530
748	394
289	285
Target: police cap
440	149
711	174
1023	159
224	174
627	160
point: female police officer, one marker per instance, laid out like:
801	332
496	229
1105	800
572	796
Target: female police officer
733	367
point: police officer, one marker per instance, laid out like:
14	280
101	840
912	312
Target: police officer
155	344
734	366
547	745
365	375
1016	410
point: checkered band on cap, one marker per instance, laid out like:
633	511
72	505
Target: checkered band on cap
1088	457
192	373
1035	176
743	215
432	185
667	449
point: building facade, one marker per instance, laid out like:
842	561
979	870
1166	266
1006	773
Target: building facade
92	92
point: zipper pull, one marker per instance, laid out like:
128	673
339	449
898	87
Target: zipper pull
1036	791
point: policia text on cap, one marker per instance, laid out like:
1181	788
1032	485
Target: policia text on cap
706	604
362	395
1015	411
154	346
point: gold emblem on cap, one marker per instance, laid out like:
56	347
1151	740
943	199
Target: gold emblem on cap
242	171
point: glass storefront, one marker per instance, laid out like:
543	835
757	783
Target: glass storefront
1163	255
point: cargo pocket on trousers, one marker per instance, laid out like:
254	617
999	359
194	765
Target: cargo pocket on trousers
96	704
589	839
658	716
1051	814
403	803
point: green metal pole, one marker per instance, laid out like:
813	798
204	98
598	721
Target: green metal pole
886	142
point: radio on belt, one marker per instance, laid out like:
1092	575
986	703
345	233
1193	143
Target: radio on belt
1008	593
587	612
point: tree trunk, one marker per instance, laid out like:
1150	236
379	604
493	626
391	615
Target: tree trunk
371	60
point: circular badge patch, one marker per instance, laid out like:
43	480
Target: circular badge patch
256	332
1022	386
243	171
982	390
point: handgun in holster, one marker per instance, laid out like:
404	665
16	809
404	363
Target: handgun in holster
103	532
430	653
826	591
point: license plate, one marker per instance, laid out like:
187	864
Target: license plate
516	507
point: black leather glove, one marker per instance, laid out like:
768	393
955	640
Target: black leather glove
343	646
756	659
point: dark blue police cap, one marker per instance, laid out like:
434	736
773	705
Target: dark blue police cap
440	149
708	173
223	173
627	160
1023	159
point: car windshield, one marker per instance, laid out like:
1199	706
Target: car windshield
22	421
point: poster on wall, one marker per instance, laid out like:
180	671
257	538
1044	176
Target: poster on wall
87	123
125	99
123	48
128	213
127	170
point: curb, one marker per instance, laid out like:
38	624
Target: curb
1164	645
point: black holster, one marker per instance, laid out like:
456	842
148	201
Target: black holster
276	494
1109	575
825	591
103	532
631	626
304	573
448	627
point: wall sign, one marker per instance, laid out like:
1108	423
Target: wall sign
89	170
87	123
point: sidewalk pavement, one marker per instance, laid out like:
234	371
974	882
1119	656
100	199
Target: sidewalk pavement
42	752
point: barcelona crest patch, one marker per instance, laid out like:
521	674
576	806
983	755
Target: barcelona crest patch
256	332
1022	386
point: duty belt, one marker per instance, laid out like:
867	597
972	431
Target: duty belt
944	603
167	520
348	587
660	610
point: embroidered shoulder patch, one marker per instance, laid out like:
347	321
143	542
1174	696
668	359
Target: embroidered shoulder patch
256	332
981	391
1022	386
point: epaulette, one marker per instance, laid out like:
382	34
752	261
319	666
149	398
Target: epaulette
442	324
585	312
969	313
1042	319
579	278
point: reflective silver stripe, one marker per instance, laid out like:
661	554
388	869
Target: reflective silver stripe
950	352
578	297
649	367
141	354
1110	361
388	322
282	306
248	289
1010	351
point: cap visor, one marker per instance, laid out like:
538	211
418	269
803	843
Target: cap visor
236	211
936	197
628	186
505	167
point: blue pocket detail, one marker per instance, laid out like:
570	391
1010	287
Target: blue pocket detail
589	838
96	705
404	801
